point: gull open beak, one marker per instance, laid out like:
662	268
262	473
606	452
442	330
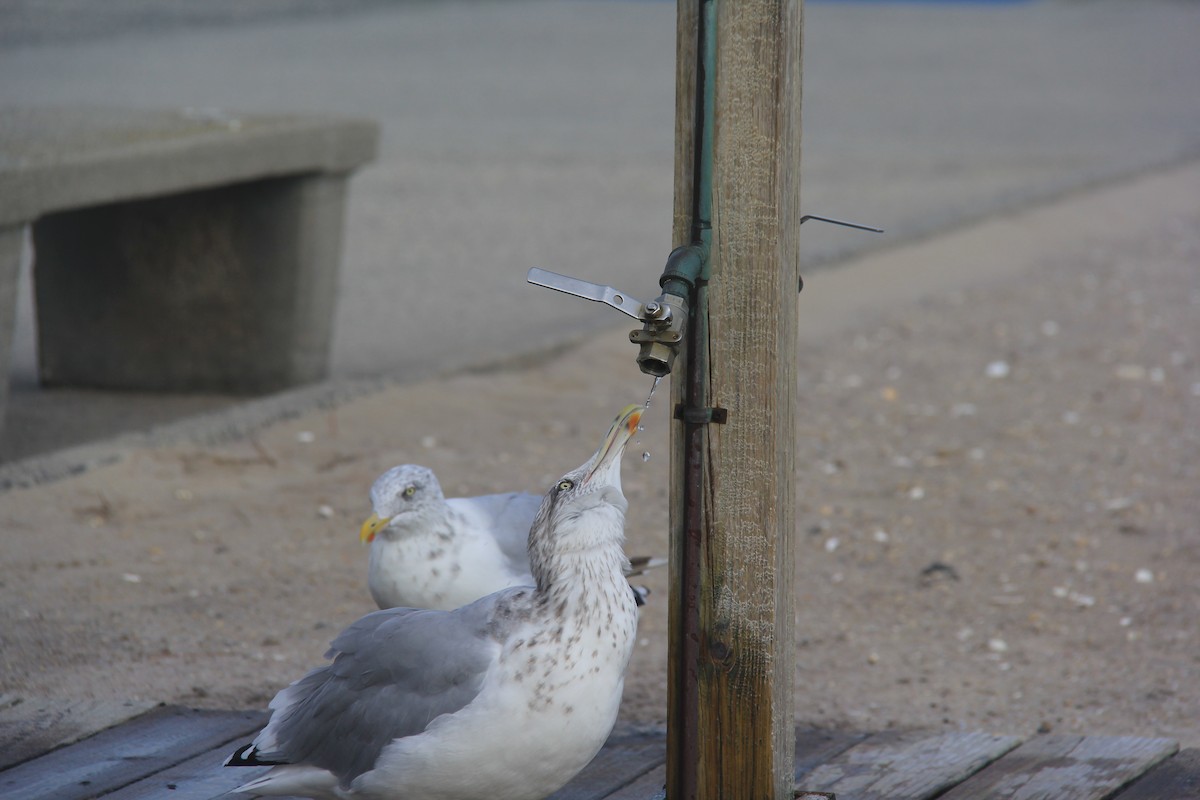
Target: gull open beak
606	463
372	526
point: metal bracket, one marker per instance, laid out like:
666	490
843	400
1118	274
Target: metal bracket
665	336
701	416
843	223
833	221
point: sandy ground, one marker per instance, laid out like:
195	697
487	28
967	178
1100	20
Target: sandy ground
998	522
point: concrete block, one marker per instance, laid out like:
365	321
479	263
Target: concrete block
54	159
221	290
11	237
177	250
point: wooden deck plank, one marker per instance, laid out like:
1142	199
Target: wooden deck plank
651	785
812	748
815	747
31	726
910	765
201	777
1066	768
621	762
1177	778
126	753
177	753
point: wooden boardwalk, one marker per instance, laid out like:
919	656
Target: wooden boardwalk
176	753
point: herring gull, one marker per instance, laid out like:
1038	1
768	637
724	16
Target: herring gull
430	551
507	698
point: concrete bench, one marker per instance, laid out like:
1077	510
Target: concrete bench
184	250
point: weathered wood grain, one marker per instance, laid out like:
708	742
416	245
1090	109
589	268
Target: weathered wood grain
909	765
815	747
742	657
1177	778
620	763
1066	768
201	777
127	753
177	753
650	786
33	726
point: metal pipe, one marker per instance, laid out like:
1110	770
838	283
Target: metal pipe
706	67
687	721
687	751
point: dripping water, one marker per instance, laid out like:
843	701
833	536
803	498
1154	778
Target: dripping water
653	388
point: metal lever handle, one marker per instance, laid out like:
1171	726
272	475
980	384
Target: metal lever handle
841	222
588	291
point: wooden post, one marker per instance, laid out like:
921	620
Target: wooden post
732	652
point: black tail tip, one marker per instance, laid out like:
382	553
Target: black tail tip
247	756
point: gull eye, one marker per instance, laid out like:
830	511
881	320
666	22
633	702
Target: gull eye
410	491
565	485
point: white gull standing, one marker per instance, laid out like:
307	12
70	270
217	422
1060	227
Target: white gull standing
430	551
505	698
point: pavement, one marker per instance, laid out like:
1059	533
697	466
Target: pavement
532	133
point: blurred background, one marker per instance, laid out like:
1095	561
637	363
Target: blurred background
520	133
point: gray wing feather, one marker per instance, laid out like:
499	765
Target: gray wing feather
508	517
393	672
514	516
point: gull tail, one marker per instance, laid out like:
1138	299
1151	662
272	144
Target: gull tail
247	756
293	779
640	565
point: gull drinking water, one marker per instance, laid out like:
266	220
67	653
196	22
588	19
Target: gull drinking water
505	698
429	551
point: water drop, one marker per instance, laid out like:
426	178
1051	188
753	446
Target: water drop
653	388
641	428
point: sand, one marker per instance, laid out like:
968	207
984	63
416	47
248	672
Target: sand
998	524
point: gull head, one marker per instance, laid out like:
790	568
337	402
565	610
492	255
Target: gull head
586	507
401	496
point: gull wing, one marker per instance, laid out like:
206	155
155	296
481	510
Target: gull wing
507	517
392	673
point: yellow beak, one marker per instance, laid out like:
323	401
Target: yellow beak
372	526
624	428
